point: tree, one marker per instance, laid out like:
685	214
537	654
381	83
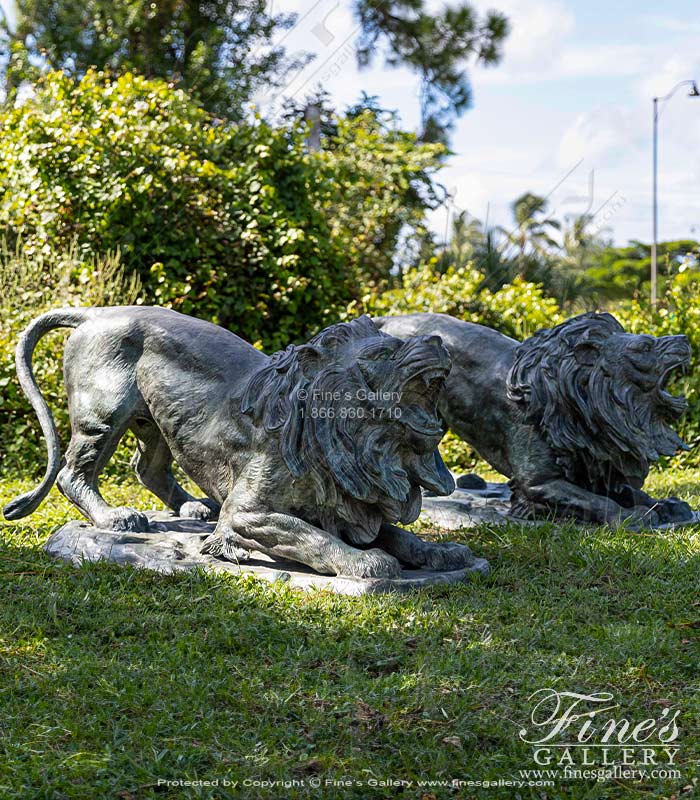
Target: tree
532	228
466	240
221	51
226	222
436	46
623	272
529	252
581	249
473	244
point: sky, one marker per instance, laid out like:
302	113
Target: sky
567	114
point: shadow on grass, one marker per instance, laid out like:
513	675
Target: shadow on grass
116	678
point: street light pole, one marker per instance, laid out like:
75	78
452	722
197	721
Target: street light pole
694	92
655	202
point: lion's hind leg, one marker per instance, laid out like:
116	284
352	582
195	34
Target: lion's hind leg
102	399
152	463
92	444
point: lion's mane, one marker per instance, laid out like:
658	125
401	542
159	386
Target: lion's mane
360	475
604	430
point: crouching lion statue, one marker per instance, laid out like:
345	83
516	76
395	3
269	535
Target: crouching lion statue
574	416
311	454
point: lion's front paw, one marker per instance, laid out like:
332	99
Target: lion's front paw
122	518
373	563
448	556
673	510
638	518
219	545
203	509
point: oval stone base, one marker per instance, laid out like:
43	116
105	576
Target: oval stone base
173	545
474	503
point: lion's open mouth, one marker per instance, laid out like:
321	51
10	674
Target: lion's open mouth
419	398
424	364
672	405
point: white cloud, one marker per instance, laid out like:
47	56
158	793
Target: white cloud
568	60
539	29
543	46
621	131
601	61
672	24
599	136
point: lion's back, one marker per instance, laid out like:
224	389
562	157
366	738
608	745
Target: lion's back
177	370
472	345
162	342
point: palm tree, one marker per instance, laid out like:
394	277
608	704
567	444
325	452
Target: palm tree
531	235
471	243
580	244
582	249
461	244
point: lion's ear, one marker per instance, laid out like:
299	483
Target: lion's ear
586	353
310	360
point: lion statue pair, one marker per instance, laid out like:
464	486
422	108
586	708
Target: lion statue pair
317	452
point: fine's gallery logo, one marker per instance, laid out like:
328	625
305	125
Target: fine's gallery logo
574	729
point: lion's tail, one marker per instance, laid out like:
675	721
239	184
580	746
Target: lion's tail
60	318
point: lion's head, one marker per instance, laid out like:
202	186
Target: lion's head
356	412
599	396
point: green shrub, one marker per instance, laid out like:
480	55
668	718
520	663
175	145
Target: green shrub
620	272
29	285
237	224
517	309
383	179
458	455
227	223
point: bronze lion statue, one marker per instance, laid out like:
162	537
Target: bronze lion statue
574	416
310	454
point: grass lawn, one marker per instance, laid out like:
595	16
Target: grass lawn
114	678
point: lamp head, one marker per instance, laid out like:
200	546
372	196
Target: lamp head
694	90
